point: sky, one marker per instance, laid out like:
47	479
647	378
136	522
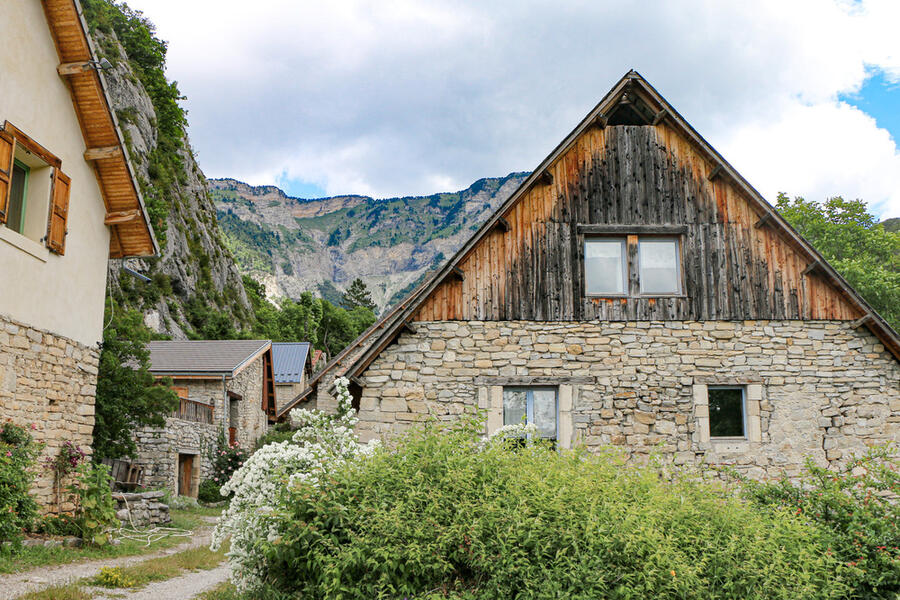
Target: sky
401	97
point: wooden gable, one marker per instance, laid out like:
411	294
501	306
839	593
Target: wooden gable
631	179
633	165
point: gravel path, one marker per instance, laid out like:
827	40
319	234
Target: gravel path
183	587
13	586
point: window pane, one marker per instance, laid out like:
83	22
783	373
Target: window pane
545	413
726	412
604	269
659	266
514	407
16	210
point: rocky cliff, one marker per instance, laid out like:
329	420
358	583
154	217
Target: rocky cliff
194	284
294	244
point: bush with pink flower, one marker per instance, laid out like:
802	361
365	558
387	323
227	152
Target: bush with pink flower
18	454
225	459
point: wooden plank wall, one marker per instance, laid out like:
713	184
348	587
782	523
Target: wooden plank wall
634	175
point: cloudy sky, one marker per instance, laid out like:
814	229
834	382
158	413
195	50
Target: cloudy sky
387	98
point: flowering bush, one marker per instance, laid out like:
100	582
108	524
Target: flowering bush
225	460
857	505
95	509
262	487
444	515
18	454
63	464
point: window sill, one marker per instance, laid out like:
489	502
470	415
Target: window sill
728	440
24	244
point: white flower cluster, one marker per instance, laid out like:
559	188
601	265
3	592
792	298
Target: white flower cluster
262	484
517	431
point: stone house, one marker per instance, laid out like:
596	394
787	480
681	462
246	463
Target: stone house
226	387
636	291
68	202
292	363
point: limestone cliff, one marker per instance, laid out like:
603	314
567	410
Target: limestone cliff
195	282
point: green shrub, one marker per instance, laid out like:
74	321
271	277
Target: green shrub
857	506
225	459
95	509
443	516
18	454
209	491
282	432
112	577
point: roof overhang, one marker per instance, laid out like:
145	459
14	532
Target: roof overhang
126	215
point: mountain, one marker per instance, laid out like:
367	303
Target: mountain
195	288
891	224
292	245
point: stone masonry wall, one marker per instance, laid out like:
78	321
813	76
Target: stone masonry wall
824	390
47	381
252	421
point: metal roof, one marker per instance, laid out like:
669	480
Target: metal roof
289	359
202	357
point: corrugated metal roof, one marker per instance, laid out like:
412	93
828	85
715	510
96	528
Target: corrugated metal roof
288	359
219	357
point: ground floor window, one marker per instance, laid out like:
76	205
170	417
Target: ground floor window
727	412
537	405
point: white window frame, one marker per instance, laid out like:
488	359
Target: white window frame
678	266
623	242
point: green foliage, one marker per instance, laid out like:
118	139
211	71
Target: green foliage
281	432
128	395
95	509
18	454
857	506
208	491
864	252
225	459
251	244
443	516
358	295
308	318
112	577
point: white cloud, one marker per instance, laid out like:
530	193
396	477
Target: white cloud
388	98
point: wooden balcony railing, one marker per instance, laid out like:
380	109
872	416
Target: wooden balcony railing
191	410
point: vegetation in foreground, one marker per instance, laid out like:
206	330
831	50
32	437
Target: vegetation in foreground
446	515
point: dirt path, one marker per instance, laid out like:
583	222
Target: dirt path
13	586
183	587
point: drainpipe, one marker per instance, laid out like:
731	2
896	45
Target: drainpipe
225	415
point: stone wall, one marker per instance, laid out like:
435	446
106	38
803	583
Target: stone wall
158	448
820	388
142	509
48	382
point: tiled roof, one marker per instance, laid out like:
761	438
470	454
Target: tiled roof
202	357
289	359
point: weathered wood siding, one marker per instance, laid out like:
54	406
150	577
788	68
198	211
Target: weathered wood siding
635	176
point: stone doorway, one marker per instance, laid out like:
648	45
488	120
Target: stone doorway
188	475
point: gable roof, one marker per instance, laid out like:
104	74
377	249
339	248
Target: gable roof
289	361
204	357
126	215
373	341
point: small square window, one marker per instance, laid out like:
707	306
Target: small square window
531	405
659	266
726	412
604	266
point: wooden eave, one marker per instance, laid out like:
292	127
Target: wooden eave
635	84
101	133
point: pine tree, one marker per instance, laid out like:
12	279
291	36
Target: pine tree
358	295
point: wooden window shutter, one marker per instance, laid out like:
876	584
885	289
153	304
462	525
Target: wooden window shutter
59	212
7	146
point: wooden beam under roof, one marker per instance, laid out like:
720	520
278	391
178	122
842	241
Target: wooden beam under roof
102	152
122	216
502	225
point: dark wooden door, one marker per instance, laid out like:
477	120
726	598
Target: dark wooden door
185	473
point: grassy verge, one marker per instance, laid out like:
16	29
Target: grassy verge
70	591
223	591
33	557
159	569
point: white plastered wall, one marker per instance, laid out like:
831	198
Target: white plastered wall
61	294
